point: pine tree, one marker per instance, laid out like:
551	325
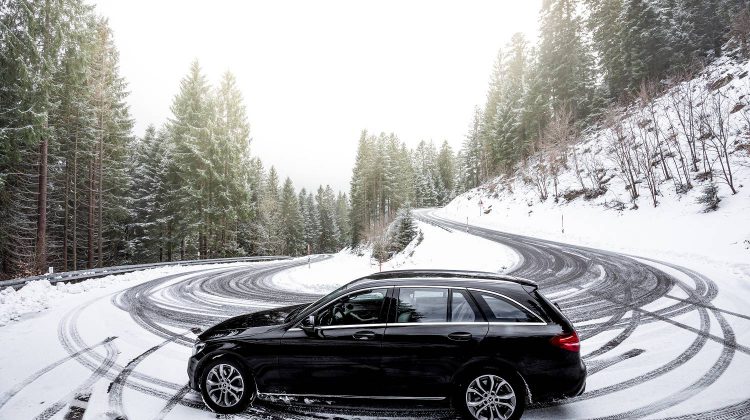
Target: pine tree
565	62
312	221
404	230
471	151
230	193
329	230
644	44
194	167
447	172
342	220
604	24
291	221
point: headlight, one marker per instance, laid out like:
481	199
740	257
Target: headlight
198	346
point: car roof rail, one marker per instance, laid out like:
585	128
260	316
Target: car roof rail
465	274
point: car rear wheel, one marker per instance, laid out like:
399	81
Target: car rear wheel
491	395
226	388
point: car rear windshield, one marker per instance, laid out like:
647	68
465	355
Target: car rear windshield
499	309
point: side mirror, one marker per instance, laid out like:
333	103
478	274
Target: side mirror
308	325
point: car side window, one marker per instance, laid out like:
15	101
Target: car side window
498	309
461	308
358	308
422	304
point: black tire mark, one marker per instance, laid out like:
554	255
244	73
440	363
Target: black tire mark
172	402
77	407
599	365
85	387
117	385
650	284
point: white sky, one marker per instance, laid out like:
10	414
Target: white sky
315	73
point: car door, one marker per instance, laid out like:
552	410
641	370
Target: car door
431	333
340	354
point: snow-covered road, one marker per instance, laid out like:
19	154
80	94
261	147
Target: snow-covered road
656	341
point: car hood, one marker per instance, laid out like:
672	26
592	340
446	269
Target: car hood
241	323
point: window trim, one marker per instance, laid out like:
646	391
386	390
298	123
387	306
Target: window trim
391	294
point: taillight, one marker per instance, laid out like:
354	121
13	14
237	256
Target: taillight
568	341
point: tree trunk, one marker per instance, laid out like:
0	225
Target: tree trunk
65	221
100	203
41	226
75	205
90	228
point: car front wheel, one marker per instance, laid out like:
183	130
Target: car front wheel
226	388
492	395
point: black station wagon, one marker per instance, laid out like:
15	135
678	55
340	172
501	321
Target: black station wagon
490	343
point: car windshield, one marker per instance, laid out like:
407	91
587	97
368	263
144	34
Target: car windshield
293	315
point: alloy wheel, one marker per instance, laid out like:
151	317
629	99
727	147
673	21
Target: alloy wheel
224	385
490	397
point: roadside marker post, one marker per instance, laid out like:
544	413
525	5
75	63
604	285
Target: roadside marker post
562	222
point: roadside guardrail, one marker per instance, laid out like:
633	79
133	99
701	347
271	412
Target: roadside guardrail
80	275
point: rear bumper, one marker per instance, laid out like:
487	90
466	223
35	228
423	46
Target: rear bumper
567	384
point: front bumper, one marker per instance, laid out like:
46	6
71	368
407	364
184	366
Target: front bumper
192	369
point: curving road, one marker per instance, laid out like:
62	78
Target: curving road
653	340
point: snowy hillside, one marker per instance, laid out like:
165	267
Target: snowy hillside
651	146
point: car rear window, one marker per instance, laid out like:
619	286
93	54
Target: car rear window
498	309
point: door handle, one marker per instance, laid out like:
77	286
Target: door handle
460	336
363	335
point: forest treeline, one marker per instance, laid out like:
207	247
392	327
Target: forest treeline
78	190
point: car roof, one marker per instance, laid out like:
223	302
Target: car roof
440	277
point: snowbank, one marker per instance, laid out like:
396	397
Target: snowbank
438	249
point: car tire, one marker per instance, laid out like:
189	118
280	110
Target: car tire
226	386
498	390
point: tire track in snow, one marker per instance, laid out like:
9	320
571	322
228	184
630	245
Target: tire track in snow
176	398
7	395
651	285
85	387
118	384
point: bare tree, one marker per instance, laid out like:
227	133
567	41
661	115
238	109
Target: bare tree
683	98
647	95
716	110
539	174
620	148
557	137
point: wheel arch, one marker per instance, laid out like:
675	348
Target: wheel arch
224	354
478	365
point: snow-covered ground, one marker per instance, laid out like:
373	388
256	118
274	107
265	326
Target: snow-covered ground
122	344
440	248
67	343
